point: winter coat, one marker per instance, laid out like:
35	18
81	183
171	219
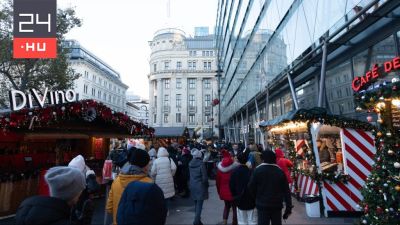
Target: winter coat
222	180
43	210
118	187
142	203
268	185
162	171
238	185
185	160
284	164
198	183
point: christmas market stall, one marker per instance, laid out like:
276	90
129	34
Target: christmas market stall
379	96
37	138
332	157
167	135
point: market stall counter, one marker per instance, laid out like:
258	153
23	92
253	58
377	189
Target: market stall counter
332	156
33	140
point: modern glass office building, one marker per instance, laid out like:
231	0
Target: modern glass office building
278	55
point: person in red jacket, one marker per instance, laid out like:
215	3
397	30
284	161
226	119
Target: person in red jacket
225	169
284	164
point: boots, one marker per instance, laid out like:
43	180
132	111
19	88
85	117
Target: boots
224	222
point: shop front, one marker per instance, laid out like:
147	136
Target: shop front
332	156
33	140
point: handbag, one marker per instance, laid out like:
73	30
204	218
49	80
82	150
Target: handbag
107	170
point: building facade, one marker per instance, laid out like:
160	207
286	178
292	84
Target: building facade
98	80
182	80
280	55
143	107
132	111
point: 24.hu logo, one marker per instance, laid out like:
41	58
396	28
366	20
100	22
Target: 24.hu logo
35	29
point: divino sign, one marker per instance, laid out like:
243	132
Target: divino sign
360	83
53	97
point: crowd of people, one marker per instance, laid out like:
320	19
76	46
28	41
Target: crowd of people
252	182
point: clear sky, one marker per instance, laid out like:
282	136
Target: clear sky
118	31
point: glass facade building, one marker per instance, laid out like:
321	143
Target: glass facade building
264	46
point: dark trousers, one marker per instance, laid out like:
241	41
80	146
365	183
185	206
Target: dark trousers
267	217
198	207
227	208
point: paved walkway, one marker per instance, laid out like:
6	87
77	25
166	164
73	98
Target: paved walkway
182	212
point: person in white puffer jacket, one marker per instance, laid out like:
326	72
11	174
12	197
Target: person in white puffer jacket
162	171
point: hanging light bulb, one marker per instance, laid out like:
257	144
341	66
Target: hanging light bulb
396	102
358	109
380	106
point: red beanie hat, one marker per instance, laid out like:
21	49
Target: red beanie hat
225	154
226	161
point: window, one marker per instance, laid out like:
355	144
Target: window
178	118
86	74
192	53
191	118
155	85
85	88
178	65
155	101
192	101
93	77
207	118
155	118
207	99
166	83
93	92
178	83
203	53
192	83
154	67
99	94
211	53
192	65
166	65
178	100
207	53
166	100
205	65
207	83
165	118
109	98
104	96
209	65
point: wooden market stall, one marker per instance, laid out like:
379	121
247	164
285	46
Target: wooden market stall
167	135
33	140
332	156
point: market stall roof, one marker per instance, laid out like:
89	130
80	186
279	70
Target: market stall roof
169	131
76	119
317	114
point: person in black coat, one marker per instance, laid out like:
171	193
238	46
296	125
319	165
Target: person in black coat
269	186
66	185
142	203
183	167
241	196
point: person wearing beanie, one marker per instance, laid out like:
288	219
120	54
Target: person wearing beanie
245	203
85	208
198	183
134	170
142	204
284	164
269	186
183	166
225	169
66	185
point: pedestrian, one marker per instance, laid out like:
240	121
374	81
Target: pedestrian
91	187
225	169
198	184
255	156
239	181
135	170
142	204
163	171
183	164
284	164
66	185
269	186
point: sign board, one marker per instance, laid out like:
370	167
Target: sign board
19	99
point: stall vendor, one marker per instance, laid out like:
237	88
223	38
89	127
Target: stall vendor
324	155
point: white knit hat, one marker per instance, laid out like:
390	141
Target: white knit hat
79	163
